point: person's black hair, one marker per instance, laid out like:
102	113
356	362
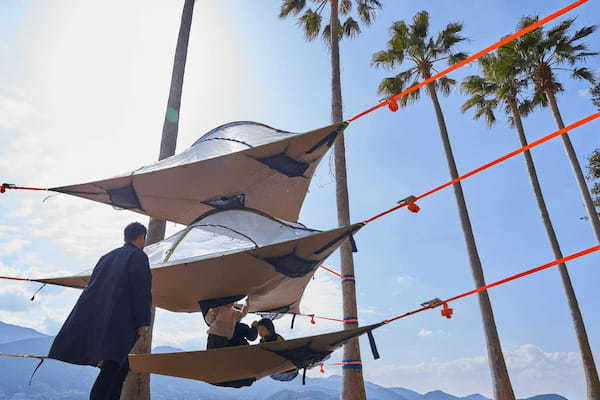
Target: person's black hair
134	231
267	323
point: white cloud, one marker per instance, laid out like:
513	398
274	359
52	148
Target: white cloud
532	371
424	332
13	245
584	93
405	280
14	112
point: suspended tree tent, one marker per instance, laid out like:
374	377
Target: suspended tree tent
239	164
234	253
242	365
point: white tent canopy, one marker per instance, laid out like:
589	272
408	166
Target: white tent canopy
235	253
237	165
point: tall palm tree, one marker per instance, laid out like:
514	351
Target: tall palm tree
594	170
595	91
502	86
137	386
310	21
543	54
412	44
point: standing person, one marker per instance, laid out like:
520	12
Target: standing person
110	315
222	321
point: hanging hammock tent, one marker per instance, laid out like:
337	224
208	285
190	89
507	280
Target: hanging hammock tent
241	365
237	165
234	254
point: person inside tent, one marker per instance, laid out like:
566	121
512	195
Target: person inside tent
243	335
222	322
112	312
266	331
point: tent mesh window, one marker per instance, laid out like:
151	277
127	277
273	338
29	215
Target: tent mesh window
292	266
304	356
285	376
124	197
274	314
285	164
240	383
327	140
227	202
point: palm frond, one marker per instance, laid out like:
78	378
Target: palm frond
310	23
293	7
582	33
397	84
449	37
367	10
387	59
350	28
445	85
420	25
583	73
345	6
457	57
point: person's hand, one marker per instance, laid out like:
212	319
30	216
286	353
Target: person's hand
143	330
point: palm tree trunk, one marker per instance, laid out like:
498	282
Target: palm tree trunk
589	366
137	386
502	386
353	386
583	189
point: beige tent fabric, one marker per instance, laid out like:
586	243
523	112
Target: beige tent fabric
236	363
223	163
178	285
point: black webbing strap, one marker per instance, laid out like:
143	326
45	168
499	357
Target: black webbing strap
36	369
293	320
373	345
304	376
353	244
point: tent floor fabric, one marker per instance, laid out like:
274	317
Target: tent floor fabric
242	365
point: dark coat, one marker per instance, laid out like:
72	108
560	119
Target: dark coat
104	322
242	334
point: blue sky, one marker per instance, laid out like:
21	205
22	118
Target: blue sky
80	98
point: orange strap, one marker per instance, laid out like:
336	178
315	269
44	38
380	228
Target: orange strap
447	312
23	356
391	101
332	271
15	279
505	157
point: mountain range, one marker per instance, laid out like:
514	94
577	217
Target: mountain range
55	380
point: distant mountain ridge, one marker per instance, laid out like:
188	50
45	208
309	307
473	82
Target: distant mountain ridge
12	333
56	380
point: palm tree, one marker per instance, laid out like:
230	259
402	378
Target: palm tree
594	170
137	386
595	91
411	43
544	53
502	86
310	21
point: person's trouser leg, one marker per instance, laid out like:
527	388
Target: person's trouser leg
118	380
104	381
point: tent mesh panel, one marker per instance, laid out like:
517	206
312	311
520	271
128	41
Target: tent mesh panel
304	356
292	266
285	376
227	202
124	197
285	164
